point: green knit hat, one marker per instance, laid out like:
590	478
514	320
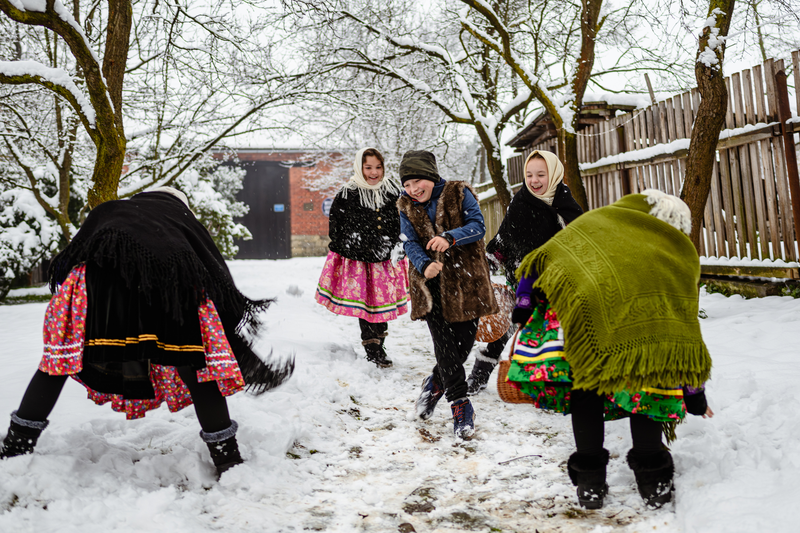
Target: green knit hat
419	164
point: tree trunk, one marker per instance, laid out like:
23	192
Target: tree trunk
568	146
568	142
496	168
112	143
497	172
710	116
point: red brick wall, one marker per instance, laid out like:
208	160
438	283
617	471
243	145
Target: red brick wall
313	222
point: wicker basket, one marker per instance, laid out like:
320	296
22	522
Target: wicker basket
508	393
492	327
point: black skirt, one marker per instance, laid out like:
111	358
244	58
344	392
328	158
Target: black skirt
128	330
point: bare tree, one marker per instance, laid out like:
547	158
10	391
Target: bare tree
710	114
486	65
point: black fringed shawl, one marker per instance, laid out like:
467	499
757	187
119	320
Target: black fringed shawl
160	248
528	224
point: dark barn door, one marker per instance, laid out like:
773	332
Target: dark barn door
266	192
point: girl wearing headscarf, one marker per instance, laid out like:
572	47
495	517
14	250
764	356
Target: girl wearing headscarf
615	334
146	312
360	277
538	211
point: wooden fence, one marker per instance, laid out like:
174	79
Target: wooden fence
749	210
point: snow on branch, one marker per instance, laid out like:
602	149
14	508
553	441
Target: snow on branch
711	55
408	43
40	6
55	79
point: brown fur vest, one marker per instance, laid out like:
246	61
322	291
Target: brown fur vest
465	286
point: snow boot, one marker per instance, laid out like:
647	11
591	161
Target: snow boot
481	371
375	353
463	419
223	448
588	473
22	436
654	472
430	395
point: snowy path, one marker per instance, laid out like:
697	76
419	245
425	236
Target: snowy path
335	450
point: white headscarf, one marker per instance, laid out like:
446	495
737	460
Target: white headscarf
174	192
669	209
371	196
555	172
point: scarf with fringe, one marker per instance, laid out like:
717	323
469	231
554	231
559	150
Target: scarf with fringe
371	196
624	285
160	249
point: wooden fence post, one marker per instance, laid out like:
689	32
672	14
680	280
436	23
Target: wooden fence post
785	113
624	174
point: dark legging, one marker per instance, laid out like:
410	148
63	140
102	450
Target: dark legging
587	425
452	342
373	330
209	403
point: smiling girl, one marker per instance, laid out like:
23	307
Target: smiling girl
359	278
537	212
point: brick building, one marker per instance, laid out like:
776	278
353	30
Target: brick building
286	218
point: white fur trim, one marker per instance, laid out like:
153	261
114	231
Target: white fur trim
669	209
174	192
480	357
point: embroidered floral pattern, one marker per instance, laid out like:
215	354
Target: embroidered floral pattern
64	337
376	292
539	369
65	326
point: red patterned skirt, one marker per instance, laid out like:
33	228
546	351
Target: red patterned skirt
125	350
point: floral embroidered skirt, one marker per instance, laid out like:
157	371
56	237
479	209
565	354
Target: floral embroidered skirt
376	292
539	369
124	349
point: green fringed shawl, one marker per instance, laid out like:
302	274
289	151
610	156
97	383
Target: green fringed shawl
624	286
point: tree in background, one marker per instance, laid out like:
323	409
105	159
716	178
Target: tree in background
360	109
101	100
488	65
710	114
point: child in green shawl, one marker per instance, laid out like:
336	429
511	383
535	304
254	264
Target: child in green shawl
622	283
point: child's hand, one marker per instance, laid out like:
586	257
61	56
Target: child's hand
709	413
438	244
433	269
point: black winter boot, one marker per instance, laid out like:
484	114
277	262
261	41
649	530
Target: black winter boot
654	472
376	353
588	472
481	372
22	436
223	448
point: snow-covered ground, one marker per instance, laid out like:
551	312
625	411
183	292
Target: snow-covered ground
336	448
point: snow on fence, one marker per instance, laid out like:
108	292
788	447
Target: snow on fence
749	209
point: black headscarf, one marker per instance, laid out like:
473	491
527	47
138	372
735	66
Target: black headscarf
529	223
160	249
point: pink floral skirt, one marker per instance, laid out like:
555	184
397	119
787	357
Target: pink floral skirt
65	338
376	292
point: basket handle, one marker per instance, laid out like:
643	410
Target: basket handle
514	343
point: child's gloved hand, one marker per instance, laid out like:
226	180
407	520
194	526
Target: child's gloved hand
432	270
696	404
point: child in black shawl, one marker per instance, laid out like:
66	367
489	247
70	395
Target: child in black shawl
537	212
147	312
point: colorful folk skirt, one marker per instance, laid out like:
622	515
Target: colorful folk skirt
540	370
125	350
376	292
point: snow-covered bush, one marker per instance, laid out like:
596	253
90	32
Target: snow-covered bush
27	235
211	190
